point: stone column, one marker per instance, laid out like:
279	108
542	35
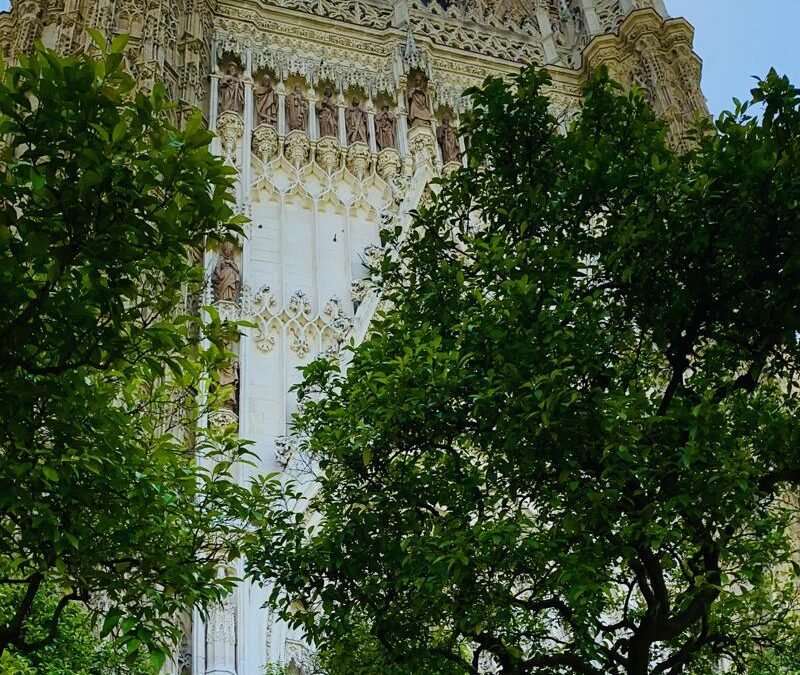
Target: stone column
281	88
313	126
439	159
462	145
373	144
402	122
249	114
221	638
213	113
548	39
340	103
198	642
591	21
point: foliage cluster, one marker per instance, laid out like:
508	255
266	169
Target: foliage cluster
112	496
76	648
570	442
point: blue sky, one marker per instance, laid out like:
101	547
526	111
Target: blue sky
735	39
740	38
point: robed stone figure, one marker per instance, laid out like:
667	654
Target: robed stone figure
419	112
226	276
296	109
231	91
448	141
266	101
229	377
386	129
328	116
356	119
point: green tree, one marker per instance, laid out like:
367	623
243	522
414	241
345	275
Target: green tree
76	649
568	443
104	366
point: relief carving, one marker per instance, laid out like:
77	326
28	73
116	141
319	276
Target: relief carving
328	115
296	109
265	142
386	129
231	91
226	276
230	128
266	101
356	122
388	164
297	148
327	154
358	159
419	112
448	141
229	378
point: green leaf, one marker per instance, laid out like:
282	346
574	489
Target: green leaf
119	43
50	474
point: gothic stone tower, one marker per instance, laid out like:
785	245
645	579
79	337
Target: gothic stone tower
336	115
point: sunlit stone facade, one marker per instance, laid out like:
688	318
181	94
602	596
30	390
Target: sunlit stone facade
336	114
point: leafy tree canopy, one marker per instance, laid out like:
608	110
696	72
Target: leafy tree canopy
570	443
103	203
76	649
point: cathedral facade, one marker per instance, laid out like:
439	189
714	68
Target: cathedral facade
336	115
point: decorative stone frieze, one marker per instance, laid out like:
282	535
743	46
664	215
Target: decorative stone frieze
422	145
359	290
450	168
265	142
373	256
230	129
304	329
297	148
223	419
284	449
358	160
388	164
328	154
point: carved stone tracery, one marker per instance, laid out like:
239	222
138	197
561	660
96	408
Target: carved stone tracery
305	331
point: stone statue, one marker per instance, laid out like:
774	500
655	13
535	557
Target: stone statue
448	141
266	101
226	276
296	109
418	109
356	120
386	129
231	91
328	116
229	377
